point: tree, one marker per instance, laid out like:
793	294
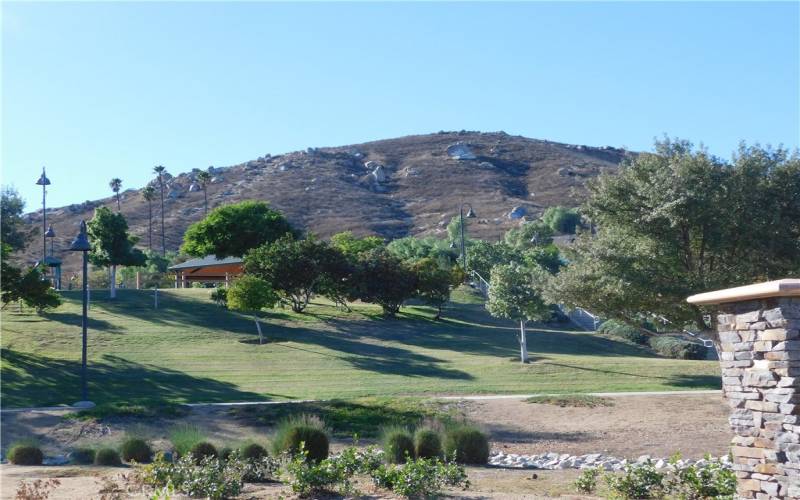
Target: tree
434	283
232	230
484	255
515	293
381	278
112	246
160	172
528	235
562	219
116	184
352	246
149	194
251	294
204	178
412	249
679	221
12	228
296	269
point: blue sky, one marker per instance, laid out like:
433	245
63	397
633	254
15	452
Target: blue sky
97	90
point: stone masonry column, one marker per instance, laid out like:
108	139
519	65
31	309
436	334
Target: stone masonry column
759	353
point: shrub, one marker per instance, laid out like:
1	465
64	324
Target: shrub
673	347
467	444
25	454
335	473
220	297
306	429
183	437
210	478
622	330
422	477
710	480
82	456
398	445
253	451
427	444
637	481
136	450
225	453
587	481
108	457
202	450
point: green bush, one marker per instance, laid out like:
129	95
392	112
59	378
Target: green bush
225	452
398	445
253	451
306	429
420	478
183	437
673	347
82	456
202	450
108	457
308	478
427	444
622	330
587	481
136	450
25	454
220	297
711	480
210	478
469	445
637	481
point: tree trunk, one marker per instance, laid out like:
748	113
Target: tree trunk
438	312
163	234
523	342
119	209
150	225
205	200
113	285
258	327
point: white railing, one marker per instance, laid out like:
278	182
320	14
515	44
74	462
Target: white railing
478	282
704	340
583	318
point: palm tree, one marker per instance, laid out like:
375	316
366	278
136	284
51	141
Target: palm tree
116	185
160	171
149	194
204	178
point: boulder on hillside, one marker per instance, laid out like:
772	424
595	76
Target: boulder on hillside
517	213
379	174
460	151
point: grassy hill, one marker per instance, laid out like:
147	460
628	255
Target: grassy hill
332	189
190	350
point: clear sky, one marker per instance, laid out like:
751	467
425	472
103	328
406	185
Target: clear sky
97	90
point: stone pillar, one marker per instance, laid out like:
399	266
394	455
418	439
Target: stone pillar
759	353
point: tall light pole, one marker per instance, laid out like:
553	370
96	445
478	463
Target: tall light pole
81	244
470	215
44	182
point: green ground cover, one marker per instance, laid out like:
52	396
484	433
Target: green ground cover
190	350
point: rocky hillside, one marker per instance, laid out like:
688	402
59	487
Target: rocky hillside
395	187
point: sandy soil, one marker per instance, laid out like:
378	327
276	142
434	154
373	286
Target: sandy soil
693	424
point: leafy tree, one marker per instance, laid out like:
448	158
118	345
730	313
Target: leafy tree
562	219
484	255
433	283
152	273
160	172
112	246
680	221
116	184
204	178
251	294
232	230
13	232
454	229
528	235
336	282
411	248
381	278
546	256
294	268
352	246
515	293
149	194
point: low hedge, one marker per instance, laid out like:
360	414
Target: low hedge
673	347
623	330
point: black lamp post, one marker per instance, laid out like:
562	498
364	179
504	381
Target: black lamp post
44	182
81	244
50	234
470	215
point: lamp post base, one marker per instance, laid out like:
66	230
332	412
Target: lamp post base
84	404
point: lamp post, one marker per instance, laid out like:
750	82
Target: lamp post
50	234
470	215
81	244
44	182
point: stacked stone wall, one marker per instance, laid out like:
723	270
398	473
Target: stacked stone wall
759	350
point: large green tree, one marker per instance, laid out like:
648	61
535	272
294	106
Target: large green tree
679	221
434	282
382	278
112	246
232	230
515	293
351	246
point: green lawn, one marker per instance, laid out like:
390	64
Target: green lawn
190	350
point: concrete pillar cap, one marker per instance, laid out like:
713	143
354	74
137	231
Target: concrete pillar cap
789	287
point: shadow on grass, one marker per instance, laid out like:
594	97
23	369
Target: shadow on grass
32	380
75	319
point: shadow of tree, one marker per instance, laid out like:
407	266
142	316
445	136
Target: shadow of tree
50	382
75	319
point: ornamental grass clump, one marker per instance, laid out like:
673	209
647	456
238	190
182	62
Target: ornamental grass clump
183	437
136	450
468	444
25	454
398	445
82	456
107	457
203	450
307	430
253	451
427	444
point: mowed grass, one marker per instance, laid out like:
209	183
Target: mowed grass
190	350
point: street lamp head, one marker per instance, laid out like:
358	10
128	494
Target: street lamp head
452	244
43	180
50	233
471	213
81	242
